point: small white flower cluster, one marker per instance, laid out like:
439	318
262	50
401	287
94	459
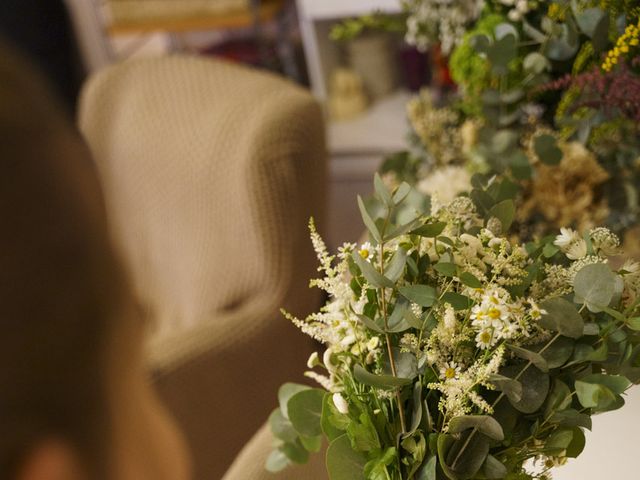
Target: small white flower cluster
444	21
519	8
497	317
459	387
603	242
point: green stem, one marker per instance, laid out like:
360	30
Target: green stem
500	397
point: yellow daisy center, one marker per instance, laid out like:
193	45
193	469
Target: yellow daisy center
364	253
494	313
485	337
450	372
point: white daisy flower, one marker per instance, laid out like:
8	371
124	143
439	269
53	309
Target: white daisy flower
577	250
567	237
366	251
486	339
449	371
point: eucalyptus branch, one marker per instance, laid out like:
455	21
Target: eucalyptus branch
500	397
387	337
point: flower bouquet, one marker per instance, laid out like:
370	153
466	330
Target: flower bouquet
453	353
549	98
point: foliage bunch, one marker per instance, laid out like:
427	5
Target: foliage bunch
453	353
535	78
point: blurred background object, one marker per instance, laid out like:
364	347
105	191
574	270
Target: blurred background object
209	196
41	30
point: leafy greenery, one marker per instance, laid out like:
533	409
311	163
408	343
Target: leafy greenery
454	354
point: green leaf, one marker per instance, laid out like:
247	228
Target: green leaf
368	221
287	391
401	193
343	463
312	444
577	444
594	395
397	322
559	399
445	268
510	387
385	382
406	364
277	461
618	384
595	286
281	427
536	63
457	301
588	19
305	411
372	276
295	452
558	352
558	441
483	423
430	230
445	442
395	268
546	148
428	469
469	280
535	386
333	423
634	323
562	317
493	468
423	295
416	413
475	453
504	211
571	418
535	358
371	324
382	191
363	434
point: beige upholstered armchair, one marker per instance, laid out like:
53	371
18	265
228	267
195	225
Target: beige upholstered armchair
210	173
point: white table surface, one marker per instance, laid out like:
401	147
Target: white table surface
613	446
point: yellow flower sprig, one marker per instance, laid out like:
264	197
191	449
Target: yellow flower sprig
630	38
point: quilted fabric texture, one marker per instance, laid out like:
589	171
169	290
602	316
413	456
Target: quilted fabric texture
210	173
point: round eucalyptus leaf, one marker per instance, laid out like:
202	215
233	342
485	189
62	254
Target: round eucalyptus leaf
286	391
546	148
535	386
493	468
595	286
305	411
485	424
558	353
467	463
295	452
536	63
577	444
562	317
344	463
281	427
559	399
277	461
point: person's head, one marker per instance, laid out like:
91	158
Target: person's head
75	402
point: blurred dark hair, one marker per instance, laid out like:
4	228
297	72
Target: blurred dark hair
59	281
